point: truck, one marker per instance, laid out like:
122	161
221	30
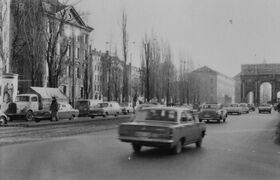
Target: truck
35	99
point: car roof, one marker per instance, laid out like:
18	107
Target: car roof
167	108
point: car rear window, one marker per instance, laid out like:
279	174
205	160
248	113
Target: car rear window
82	103
22	99
156	115
210	106
101	105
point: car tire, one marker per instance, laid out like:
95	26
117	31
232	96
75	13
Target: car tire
72	117
177	149
200	120
92	117
198	143
259	112
3	120
224	120
29	116
136	148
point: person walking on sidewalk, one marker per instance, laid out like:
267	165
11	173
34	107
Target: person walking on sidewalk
54	109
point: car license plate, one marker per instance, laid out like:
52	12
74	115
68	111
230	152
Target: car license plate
143	134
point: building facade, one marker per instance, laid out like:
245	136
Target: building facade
96	81
210	86
64	55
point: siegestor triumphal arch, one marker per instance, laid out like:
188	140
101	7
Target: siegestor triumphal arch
253	75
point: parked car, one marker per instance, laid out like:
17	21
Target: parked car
265	108
3	118
164	127
65	111
105	109
244	108
127	108
84	105
212	112
233	109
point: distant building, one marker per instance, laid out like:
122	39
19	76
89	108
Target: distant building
210	86
96	68
237	87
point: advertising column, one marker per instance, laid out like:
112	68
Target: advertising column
8	89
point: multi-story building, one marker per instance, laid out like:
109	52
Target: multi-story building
237	87
210	86
96	66
68	52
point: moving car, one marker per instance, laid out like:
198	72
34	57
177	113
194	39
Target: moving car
84	105
265	108
3	118
105	109
244	108
233	109
212	112
165	127
251	107
65	112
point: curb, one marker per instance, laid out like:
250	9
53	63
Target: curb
65	122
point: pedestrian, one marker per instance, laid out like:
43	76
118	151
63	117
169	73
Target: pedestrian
54	109
278	107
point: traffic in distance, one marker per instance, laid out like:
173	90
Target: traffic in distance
26	106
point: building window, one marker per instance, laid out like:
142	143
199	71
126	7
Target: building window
95	87
85	54
69	50
78	73
82	92
77	53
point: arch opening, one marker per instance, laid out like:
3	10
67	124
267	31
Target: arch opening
265	92
250	97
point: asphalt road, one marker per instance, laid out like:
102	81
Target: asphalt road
242	148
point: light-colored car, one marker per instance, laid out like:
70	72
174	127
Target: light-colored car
3	118
244	108
233	108
265	108
212	112
127	108
65	111
105	109
166	127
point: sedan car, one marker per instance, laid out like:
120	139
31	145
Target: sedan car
105	109
265	108
244	108
65	112
164	127
3	118
212	112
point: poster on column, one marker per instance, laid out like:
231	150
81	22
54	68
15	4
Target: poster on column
8	89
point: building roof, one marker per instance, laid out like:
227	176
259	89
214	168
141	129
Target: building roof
206	69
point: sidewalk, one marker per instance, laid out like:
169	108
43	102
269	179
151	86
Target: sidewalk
78	120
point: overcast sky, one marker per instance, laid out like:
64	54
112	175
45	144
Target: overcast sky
222	34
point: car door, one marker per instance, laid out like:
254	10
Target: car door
188	127
61	111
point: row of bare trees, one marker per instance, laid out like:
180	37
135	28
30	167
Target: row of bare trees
36	35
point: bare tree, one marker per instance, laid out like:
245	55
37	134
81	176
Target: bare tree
55	56
125	50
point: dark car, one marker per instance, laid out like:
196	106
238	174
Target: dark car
265	108
251	107
212	112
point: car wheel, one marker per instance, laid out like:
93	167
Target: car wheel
29	116
72	117
93	117
3	121
259	112
136	148
104	115
224	120
177	149
200	120
198	143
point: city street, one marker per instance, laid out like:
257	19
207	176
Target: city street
241	148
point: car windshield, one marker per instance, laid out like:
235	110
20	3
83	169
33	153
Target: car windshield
234	105
210	106
102	105
156	115
243	105
266	105
22	99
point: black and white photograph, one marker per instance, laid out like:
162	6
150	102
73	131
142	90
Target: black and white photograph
139	89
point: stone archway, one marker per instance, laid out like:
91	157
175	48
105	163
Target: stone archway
265	92
250	97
